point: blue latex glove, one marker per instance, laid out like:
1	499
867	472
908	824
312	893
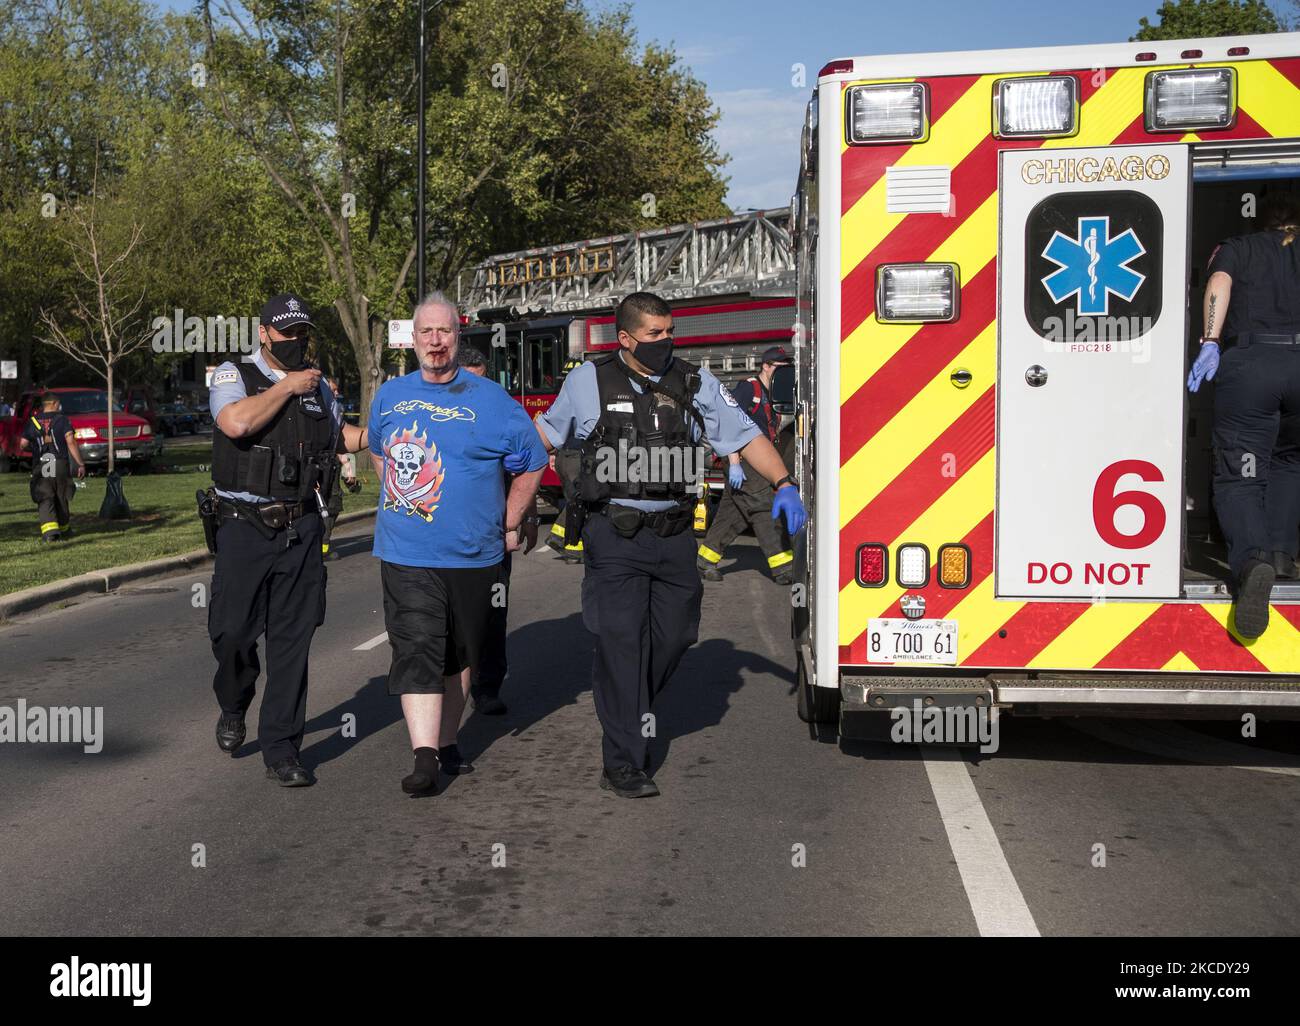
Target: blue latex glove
789	504
735	476
1207	362
517	462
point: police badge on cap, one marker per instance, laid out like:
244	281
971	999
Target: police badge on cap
285	311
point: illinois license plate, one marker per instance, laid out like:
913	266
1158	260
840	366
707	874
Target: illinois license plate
123	454
912	641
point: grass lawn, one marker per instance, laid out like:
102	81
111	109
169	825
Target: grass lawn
163	519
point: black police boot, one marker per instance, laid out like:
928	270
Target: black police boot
627	782
230	733
453	763
489	705
289	773
1283	566
707	570
423	780
1253	593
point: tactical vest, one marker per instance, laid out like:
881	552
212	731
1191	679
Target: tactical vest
641	446
287	458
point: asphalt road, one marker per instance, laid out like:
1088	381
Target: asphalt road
761	828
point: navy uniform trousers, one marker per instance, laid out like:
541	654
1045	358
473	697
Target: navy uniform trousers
263	586
1257	451
641	598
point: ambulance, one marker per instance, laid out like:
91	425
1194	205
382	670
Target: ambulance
1000	258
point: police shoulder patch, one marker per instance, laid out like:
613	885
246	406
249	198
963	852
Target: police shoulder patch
225	376
727	397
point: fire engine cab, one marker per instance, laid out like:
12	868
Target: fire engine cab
1000	262
537	313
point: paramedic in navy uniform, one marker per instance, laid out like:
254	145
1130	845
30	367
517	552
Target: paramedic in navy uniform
277	432
641	590
1253	300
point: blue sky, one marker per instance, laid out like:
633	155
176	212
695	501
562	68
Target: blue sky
744	52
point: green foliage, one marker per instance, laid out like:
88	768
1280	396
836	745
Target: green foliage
1204	19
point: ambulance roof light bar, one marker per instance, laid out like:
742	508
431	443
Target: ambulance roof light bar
1043	107
891	112
1197	98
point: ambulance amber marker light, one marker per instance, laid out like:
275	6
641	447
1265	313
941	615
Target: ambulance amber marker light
872	562
954	566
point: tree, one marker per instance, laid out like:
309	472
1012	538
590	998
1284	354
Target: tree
543	124
1204	19
101	322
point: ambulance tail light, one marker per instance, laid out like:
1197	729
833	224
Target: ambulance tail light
1180	101
873	566
1039	108
893	113
954	566
917	293
913	566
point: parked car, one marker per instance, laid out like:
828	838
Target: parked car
174	419
134	441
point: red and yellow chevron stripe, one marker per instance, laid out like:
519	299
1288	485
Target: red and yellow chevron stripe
917	455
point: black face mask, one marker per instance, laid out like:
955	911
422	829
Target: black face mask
654	356
291	352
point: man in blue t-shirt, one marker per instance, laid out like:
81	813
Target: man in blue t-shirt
439	438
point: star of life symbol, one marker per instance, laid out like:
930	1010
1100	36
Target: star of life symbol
1093	266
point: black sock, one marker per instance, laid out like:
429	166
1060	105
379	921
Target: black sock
426	761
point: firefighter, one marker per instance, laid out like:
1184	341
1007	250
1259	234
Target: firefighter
642	408
53	444
747	499
1252	300
276	435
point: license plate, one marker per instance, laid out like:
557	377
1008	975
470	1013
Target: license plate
123	454
912	641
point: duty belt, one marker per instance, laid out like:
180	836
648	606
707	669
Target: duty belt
666	523
274	515
1248	338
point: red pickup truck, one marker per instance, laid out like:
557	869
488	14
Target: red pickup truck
134	441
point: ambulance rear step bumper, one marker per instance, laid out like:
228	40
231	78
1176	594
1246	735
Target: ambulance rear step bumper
1082	694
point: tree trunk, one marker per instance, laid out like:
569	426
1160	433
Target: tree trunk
111	447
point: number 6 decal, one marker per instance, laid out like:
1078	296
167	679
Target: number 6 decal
1105	504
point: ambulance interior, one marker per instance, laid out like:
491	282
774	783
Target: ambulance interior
1221	207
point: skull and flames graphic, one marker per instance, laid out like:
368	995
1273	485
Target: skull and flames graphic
413	478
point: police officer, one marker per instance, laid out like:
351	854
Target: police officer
615	417
1252	300
275	441
52	442
747	498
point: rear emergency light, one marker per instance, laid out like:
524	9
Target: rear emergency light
917	293
840	67
873	565
1145	55
1191	55
892	113
1238	51
1040	108
954	566
1180	101
913	566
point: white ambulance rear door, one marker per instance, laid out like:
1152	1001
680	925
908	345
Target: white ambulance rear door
1091	371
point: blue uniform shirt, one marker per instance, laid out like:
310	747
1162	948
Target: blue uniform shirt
442	501
727	428
228	387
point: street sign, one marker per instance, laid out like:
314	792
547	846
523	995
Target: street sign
8	369
401	335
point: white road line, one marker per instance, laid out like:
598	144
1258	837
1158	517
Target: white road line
994	895
374	642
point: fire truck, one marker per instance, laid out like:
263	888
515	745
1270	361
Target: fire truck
537	313
1000	263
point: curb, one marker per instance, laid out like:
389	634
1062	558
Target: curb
103	582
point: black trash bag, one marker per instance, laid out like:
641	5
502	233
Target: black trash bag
114	506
